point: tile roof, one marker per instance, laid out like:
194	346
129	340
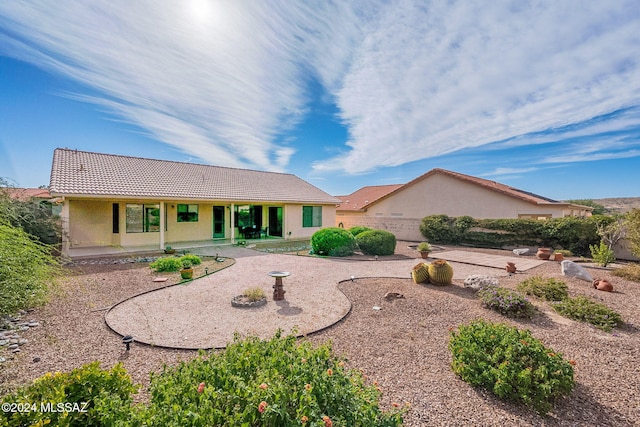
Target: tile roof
94	174
365	196
25	194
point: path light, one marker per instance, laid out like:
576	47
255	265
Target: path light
352	277
376	257
127	340
206	271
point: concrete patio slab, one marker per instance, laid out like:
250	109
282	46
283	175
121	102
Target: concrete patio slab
488	260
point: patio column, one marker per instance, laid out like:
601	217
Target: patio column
162	224
232	221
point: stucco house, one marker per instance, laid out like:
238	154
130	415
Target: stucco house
112	202
400	208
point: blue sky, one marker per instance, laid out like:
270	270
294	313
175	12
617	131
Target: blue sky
540	95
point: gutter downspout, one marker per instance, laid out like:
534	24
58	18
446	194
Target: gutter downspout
232	222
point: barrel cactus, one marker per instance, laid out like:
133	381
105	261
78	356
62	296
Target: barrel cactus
420	273
440	272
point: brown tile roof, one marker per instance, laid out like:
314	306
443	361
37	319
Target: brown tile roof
25	194
365	196
94	174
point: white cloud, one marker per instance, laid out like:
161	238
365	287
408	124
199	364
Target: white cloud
224	80
509	171
432	78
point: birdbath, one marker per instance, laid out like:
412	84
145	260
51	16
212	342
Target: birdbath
278	290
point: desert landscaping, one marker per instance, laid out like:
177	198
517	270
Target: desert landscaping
401	345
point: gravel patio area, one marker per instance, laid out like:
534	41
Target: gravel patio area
403	346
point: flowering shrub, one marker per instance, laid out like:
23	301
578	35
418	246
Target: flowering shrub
506	302
77	398
510	363
547	289
276	382
583	309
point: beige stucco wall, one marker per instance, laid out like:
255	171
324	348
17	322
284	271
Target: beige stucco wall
442	194
89	223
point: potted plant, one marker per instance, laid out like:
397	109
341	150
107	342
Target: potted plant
169	250
424	248
187	269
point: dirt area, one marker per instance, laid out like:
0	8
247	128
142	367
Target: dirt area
403	346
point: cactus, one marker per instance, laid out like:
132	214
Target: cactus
440	272
420	273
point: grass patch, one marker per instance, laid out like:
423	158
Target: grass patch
629	272
281	246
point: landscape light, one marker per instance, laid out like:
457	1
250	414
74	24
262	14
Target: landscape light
127	340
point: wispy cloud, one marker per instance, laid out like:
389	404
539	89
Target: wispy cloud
508	171
224	80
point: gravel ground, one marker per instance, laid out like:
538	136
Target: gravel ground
403	346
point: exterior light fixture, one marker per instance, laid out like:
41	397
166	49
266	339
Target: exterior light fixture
127	340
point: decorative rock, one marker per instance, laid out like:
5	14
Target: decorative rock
4	342
389	296
571	269
33	324
603	285
13	341
2	359
36	359
15	350
478	281
241	302
521	251
13	346
23	341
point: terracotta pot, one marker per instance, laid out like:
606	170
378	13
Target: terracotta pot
424	254
603	285
558	257
511	267
543	253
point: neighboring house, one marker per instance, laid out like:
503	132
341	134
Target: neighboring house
40	195
400	208
112	201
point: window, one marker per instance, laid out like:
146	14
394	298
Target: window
312	216
143	218
187	213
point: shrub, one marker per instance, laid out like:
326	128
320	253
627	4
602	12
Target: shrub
602	254
333	241
97	387
629	272
186	264
563	252
254	294
510	363
438	228
376	242
506	302
583	309
194	259
272	382
547	289
166	264
632	222
424	247
358	229
26	268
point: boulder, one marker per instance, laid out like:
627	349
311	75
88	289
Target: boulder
571	269
520	251
478	281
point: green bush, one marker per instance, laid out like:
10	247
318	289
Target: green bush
166	264
333	241
376	242
438	229
583	309
602	254
358	229
276	382
194	259
546	289
632	222
506	302
83	393
26	269
510	363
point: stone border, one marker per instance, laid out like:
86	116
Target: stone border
236	302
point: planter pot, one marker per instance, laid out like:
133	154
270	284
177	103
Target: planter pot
558	257
243	302
424	254
511	267
543	253
186	273
603	285
169	251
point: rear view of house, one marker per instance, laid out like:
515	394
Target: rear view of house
112	202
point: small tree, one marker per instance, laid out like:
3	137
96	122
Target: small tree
632	221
